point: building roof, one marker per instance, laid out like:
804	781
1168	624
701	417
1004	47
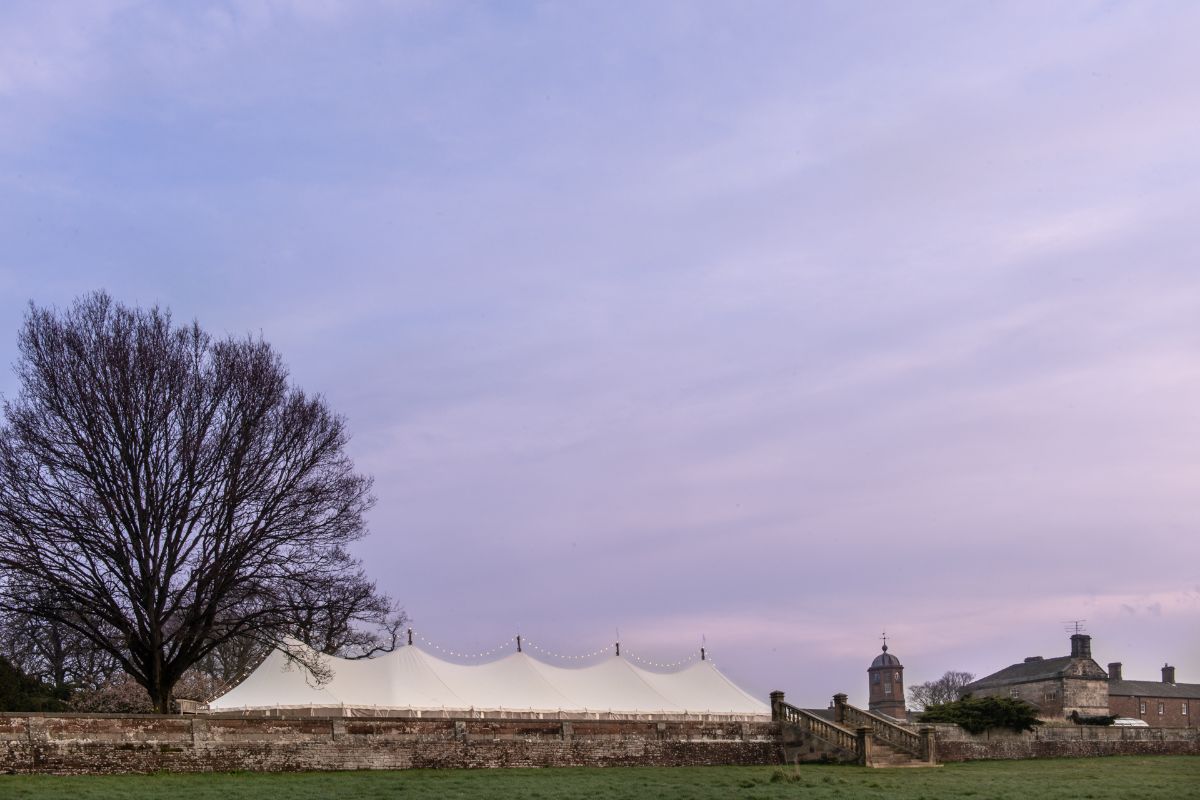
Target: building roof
1033	670
885	659
1155	689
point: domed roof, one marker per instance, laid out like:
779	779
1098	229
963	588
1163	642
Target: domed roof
885	659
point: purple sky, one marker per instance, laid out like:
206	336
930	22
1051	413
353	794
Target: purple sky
775	323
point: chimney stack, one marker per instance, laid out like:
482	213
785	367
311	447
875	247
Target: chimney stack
1168	674
1114	671
1081	646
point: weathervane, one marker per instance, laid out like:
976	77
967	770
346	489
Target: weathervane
884	637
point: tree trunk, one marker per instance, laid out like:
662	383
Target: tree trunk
58	660
163	695
161	683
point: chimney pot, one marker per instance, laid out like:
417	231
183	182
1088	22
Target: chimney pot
1168	673
1114	671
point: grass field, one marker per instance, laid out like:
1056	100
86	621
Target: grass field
1118	778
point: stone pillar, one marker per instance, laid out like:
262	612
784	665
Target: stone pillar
35	729
840	701
776	702
864	745
928	744
199	730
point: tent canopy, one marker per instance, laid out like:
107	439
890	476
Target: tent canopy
412	679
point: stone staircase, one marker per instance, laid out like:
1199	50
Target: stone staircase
885	755
852	736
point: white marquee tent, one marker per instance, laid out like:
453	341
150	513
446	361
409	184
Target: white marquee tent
412	681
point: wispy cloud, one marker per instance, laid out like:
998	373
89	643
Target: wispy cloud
686	319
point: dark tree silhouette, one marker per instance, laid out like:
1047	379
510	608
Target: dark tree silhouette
163	493
345	616
19	692
53	654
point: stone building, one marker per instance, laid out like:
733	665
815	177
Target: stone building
1058	687
885	677
1055	686
1162	703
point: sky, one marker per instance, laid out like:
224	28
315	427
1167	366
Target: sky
761	326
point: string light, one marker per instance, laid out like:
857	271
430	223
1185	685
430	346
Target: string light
500	648
503	647
659	665
581	657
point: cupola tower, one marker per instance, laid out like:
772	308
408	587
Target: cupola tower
886	681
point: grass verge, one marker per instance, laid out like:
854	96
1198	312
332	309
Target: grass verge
1116	778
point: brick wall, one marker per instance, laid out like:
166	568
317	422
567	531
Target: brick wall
1066	741
1177	712
72	743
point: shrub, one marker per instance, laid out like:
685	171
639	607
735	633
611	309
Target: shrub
1088	719
120	694
977	715
19	692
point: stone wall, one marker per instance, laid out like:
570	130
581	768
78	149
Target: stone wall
1044	695
1064	741
76	743
1056	698
1087	695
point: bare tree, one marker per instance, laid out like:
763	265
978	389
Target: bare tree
53	653
945	689
347	618
352	621
167	492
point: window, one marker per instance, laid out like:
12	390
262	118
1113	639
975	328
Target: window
1014	692
1161	708
1184	711
1051	694
887	688
875	678
1142	708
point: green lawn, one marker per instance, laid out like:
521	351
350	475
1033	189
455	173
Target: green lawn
1119	778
